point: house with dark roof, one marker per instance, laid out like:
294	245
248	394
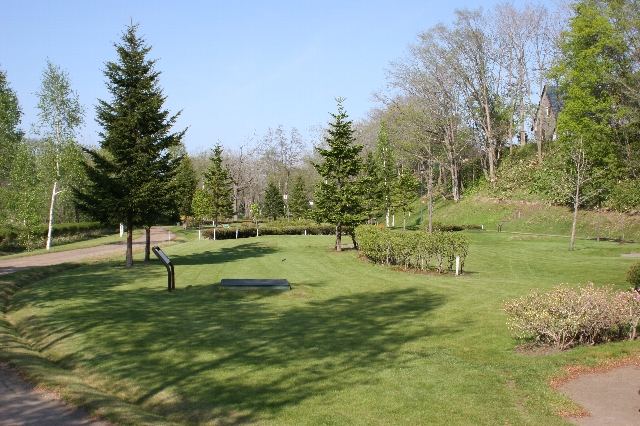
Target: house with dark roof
544	125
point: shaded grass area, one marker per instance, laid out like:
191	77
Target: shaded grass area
351	343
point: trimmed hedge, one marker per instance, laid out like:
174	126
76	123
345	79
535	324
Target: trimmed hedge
413	250
243	232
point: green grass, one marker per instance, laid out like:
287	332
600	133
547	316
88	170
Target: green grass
92	242
351	343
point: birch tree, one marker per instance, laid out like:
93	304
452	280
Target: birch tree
60	116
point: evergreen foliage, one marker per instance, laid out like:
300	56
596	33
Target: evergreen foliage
128	179
184	186
339	194
218	186
299	199
273	205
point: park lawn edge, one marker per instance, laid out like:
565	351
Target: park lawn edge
34	368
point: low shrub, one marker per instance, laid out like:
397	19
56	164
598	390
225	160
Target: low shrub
17	239
568	316
246	232
444	227
412	250
633	275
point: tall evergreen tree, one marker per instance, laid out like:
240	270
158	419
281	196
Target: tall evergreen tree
185	183
273	205
218	184
338	195
130	176
299	199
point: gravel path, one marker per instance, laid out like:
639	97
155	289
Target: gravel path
158	235
20	403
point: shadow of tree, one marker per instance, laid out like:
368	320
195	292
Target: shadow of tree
207	353
225	254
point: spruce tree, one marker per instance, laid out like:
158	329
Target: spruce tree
273	205
299	199
338	195
129	178
218	184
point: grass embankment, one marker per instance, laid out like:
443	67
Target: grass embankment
528	217
91	242
351	343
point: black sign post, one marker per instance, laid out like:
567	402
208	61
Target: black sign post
165	260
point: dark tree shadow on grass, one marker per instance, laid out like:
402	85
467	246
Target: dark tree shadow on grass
208	353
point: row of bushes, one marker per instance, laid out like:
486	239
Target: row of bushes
230	233
14	239
568	316
447	227
415	250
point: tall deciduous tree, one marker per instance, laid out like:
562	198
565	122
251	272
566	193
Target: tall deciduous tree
60	115
129	178
338	195
10	133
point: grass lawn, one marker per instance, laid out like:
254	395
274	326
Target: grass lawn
91	242
351	343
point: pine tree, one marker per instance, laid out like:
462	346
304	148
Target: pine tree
273	205
129	177
219	186
338	195
299	199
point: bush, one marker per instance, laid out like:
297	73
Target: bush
633	275
246	232
14	239
568	316
439	226
413	250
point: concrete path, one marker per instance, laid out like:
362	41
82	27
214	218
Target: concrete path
20	403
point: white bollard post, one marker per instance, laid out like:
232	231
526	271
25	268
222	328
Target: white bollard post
305	232
199	234
121	229
482	226
214	234
236	233
257	232
457	265
169	235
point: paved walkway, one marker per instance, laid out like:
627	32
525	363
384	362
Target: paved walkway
20	403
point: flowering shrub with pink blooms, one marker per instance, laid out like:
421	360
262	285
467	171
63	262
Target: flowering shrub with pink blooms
568	316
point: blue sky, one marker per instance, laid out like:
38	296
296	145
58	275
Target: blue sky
234	68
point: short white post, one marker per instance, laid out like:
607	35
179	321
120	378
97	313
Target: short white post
482	226
121	229
214	234
169	235
257	232
236	233
199	234
305	232
457	265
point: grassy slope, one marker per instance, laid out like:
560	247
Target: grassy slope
352	343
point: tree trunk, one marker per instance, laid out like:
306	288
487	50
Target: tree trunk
53	200
576	203
339	237
129	256
147	244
